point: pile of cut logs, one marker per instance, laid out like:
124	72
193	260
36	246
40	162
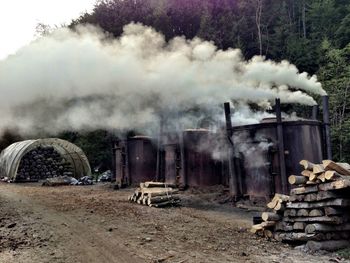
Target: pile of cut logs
155	194
317	210
43	162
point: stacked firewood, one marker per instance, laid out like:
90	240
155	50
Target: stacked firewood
317	212
155	194
269	221
43	162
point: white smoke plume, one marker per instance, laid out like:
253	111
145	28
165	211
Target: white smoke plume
84	80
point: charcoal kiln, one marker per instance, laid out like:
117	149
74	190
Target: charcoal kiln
184	159
135	161
201	169
265	154
188	159
172	163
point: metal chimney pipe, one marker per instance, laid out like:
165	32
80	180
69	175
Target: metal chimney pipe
281	146
233	181
159	150
326	125
228	120
315	110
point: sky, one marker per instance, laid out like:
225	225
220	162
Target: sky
18	19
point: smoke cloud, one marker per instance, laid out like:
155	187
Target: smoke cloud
84	80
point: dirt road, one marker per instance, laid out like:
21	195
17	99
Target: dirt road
97	224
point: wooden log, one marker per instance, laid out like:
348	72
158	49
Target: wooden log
297	236
336	202
318	227
335	220
322	177
344	165
268	216
316	212
330	165
332	175
281	197
255	228
278	198
159	199
299	226
304	190
310	197
172	193
294	179
312	177
156	190
272	204
158	184
330	211
283	226
339	184
268	233
324	195
145	200
316	181
302	212
164	204
331	245
306	173
262	226
307	165
279	207
290	212
318	169
294	198
139	200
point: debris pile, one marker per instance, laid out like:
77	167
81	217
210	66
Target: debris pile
155	194
317	211
43	162
67	180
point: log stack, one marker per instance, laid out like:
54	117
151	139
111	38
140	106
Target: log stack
317	212
43	162
155	194
270	220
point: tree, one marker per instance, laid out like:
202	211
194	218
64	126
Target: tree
335	78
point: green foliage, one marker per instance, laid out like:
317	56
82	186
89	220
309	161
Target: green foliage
344	253
97	146
335	77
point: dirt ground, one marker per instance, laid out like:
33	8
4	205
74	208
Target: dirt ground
96	224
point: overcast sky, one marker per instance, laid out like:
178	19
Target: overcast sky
18	19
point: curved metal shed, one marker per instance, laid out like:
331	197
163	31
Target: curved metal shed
10	157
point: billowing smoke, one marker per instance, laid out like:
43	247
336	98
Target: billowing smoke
84	79
254	150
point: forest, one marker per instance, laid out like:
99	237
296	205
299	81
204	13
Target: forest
312	34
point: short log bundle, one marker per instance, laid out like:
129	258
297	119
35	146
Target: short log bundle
155	194
43	162
316	213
